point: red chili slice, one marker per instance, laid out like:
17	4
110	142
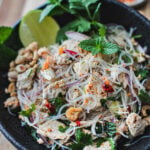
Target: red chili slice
108	88
71	52
78	123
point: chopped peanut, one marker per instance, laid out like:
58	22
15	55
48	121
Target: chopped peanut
73	113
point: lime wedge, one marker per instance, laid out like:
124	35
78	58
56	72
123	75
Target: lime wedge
31	30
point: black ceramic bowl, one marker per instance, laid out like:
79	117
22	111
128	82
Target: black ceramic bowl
111	12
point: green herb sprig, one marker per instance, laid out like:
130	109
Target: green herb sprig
144	96
82	140
99	45
86	16
28	112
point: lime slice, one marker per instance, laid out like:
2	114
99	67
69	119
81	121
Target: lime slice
31	30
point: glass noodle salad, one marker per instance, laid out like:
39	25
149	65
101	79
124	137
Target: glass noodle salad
85	91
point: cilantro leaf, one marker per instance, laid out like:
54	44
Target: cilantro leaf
143	72
77	146
144	96
82	139
102	140
28	112
80	25
5	32
62	129
57	102
110	128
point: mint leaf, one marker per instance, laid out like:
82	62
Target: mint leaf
28	112
5	32
109	48
110	128
91	46
144	96
46	11
98	45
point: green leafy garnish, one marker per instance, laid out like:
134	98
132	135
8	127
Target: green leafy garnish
80	25
28	112
102	140
103	101
99	45
62	129
110	128
86	16
5	32
137	36
144	96
143	72
46	11
82	139
57	102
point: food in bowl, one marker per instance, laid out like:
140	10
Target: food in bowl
84	92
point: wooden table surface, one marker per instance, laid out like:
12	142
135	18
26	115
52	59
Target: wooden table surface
11	11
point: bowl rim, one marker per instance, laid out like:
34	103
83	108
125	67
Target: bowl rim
3	129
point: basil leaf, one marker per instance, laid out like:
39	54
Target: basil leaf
109	48
144	96
5	32
46	11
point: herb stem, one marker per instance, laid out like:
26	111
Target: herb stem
65	9
89	14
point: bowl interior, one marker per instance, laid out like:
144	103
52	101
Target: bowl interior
111	12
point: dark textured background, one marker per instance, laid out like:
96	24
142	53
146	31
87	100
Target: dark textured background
111	12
